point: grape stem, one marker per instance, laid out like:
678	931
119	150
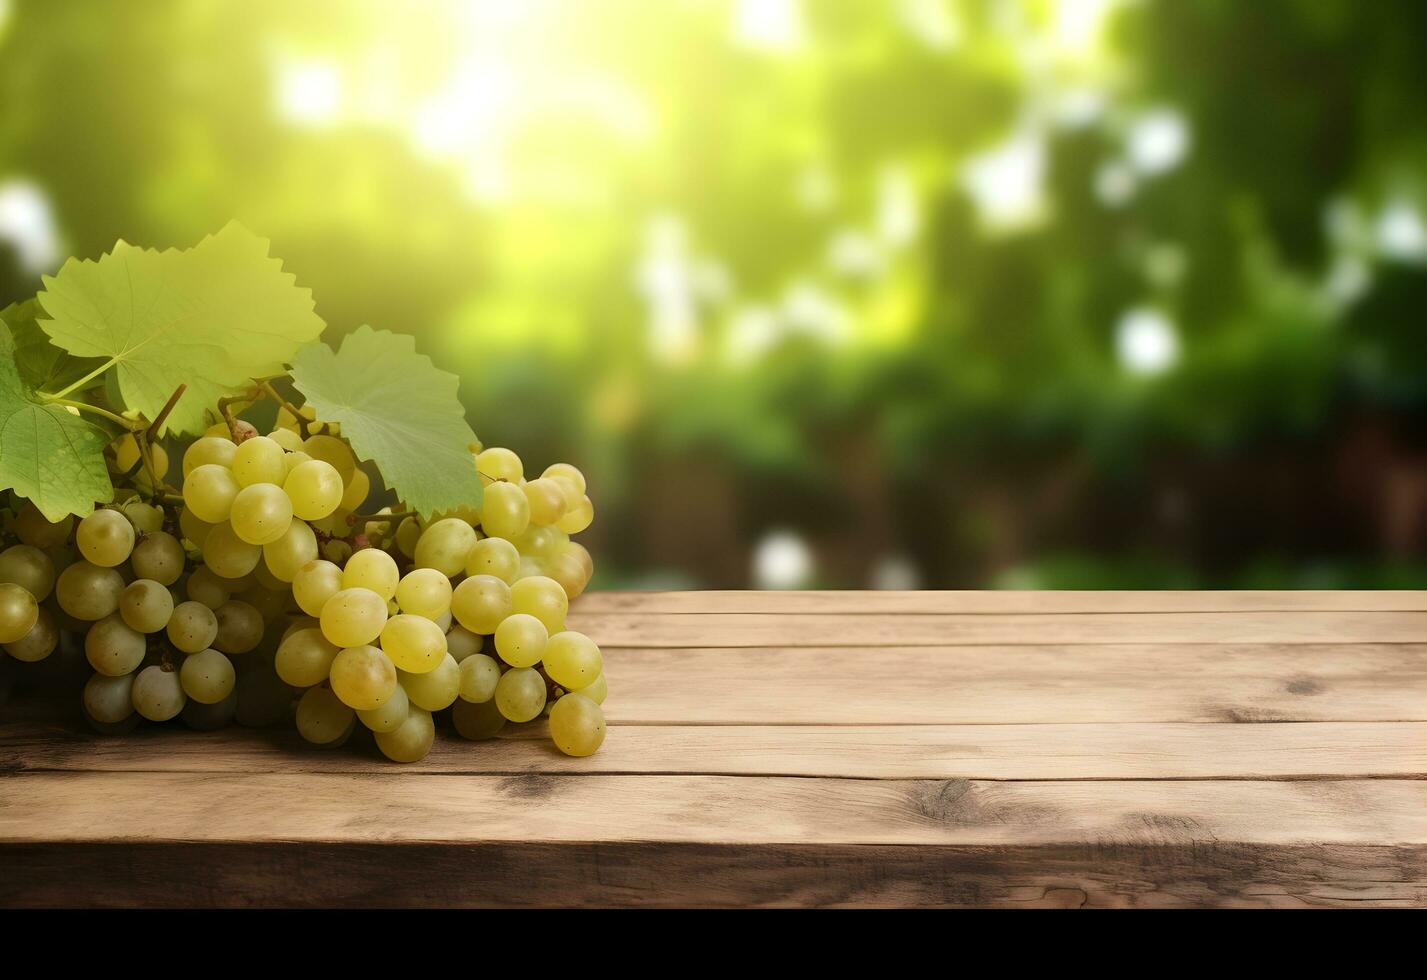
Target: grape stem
265	385
131	425
225	408
162	417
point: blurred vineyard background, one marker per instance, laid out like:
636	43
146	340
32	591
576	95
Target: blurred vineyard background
840	293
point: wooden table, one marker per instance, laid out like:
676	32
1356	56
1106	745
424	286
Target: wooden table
1011	749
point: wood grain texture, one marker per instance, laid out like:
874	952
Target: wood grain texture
1018	684
831	603
948	749
1002	752
673	630
416	808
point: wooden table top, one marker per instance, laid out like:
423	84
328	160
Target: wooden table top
837	748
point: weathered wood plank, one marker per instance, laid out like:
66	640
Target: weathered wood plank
653	874
667	630
1018	684
1019	752
1002	602
263	807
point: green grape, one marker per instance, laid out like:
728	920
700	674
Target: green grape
505	512
109	699
435	689
205	587
157	693
546	500
412	740
304	658
520	640
315	488
520	694
573	660
35	530
353	617
422	592
210	717
209	451
287	420
337	551
105	538
315	583
261	513
126	456
443	621
581	554
567	570
414	643
270	605
301	623
334	452
192	627
18	612
500	464
158	556
577	725
371	569
289	440
389	716
578	517
477	720
207	676
541	597
287	554
358	487
494	556
265	578
444	546
479	676
209	492
537	541
293	460
29	568
263	699
480	603
596	691
146	605
194	531
462	643
378	531
259	460
362	677
566	472
408	535
145	518
322	718
228	555
39	642
87	591
530	567
240	625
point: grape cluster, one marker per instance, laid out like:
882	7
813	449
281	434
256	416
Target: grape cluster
262	594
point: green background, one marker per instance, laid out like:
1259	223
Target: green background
1100	293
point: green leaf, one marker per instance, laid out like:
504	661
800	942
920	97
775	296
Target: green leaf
212	317
43	366
398	410
46	454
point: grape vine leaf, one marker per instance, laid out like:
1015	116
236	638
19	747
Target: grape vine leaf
211	317
46	454
398	410
43	366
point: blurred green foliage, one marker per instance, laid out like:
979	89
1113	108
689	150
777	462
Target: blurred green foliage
961	292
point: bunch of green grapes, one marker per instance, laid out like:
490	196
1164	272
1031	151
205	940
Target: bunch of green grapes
255	596
397	632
